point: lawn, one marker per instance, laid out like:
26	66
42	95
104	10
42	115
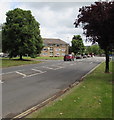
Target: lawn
50	58
92	98
6	62
15	62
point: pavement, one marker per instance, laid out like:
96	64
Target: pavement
26	86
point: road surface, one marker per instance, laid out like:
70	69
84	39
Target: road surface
26	86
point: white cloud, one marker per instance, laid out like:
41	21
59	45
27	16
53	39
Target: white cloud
56	18
5	7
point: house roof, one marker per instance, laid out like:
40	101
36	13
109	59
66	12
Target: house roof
53	41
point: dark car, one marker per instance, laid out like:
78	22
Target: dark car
69	57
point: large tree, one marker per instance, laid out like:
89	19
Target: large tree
98	24
21	34
77	44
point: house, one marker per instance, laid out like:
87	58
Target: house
54	48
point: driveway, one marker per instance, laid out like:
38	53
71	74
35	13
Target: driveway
26	86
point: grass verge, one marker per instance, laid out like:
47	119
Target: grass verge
49	58
15	62
92	98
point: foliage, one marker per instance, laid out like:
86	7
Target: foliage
94	49
77	44
98	24
21	34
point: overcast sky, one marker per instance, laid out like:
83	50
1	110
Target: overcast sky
56	18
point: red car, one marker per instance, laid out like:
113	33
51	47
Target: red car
69	57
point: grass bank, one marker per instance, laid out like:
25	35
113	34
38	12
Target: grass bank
92	98
15	62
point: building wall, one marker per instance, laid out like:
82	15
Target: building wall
54	50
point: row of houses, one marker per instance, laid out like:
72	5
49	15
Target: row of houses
54	48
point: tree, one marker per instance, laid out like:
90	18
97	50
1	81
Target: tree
94	49
21	34
98	24
77	44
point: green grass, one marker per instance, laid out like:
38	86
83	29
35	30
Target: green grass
6	62
92	98
42	58
14	62
49	58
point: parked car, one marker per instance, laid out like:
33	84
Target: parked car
69	57
79	57
88	55
84	56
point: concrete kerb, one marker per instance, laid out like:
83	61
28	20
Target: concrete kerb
58	94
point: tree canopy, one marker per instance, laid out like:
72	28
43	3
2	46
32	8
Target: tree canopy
77	44
94	49
21	34
98	24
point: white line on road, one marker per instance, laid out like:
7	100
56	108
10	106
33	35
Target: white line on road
48	67
1	82
10	72
38	70
20	73
58	67
34	74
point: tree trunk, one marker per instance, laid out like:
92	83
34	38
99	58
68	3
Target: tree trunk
21	57
107	61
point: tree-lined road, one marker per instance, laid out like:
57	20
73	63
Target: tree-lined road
26	86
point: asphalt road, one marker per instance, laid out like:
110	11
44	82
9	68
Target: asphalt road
26	86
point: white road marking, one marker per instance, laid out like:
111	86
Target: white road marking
34	74
58	67
38	70
21	73
10	72
48	67
1	82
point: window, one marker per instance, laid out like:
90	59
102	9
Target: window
57	45
58	54
51	48
45	49
51	53
44	53
63	54
57	49
63	50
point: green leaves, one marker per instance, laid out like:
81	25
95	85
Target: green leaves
77	44
21	33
